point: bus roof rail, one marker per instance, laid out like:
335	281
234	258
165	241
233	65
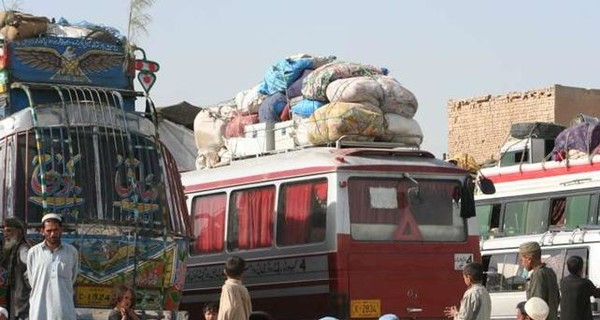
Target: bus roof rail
343	142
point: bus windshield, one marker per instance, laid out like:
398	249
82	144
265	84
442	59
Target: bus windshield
400	209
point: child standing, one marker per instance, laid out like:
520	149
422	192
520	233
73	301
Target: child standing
210	311
235	301
123	302
575	292
475	303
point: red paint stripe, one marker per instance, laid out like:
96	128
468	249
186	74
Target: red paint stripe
543	173
257	178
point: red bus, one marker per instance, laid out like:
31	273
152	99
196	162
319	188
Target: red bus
351	232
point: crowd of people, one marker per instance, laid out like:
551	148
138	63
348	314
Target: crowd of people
41	278
543	294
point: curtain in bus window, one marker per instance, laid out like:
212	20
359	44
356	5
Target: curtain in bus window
303	213
557	212
555	259
404	210
375	208
209	223
254	209
363	194
298	199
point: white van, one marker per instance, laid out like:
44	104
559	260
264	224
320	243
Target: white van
506	279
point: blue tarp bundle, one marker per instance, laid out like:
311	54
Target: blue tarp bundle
282	74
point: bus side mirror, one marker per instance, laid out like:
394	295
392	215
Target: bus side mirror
486	185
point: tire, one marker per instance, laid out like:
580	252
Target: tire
541	130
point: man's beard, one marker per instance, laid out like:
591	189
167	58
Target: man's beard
9	244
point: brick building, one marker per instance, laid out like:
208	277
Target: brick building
479	126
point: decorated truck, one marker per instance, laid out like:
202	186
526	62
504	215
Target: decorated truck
72	143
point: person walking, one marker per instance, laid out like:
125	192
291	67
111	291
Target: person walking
542	279
234	303
575	292
52	268
14	261
476	303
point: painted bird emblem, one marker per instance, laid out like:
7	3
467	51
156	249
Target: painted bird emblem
68	65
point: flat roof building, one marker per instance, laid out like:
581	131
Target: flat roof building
480	125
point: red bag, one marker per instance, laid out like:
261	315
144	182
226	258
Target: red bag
235	126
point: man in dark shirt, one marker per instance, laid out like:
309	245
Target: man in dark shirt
542	279
576	292
14	258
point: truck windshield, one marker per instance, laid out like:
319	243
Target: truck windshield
88	174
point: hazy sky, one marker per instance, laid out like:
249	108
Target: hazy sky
440	50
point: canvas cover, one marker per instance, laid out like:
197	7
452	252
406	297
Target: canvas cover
315	84
334	120
583	137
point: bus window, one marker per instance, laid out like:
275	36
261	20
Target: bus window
208	215
504	273
251	218
571	211
578	209
404	210
488	216
302	212
524	217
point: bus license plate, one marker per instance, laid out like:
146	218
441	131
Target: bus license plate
365	308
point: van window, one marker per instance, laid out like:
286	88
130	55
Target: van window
583	253
302	212
504	273
208	214
251	218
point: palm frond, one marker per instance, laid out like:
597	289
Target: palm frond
14	5
138	19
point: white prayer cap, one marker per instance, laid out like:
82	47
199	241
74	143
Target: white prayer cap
537	308
51	216
389	316
4	312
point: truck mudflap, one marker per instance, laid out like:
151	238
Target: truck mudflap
102	314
